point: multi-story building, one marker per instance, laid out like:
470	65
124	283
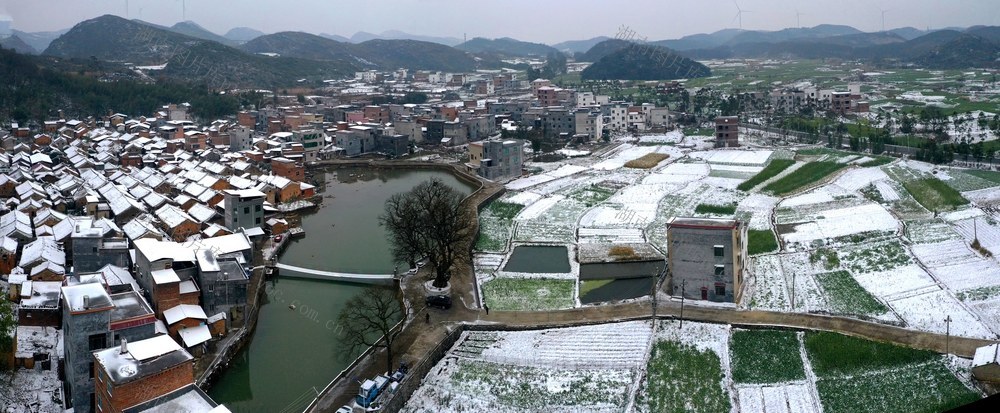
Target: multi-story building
223	284
312	142
94	320
495	159
706	258
556	122
588	122
138	371
288	168
244	208
727	132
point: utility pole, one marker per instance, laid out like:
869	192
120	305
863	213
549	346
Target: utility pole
947	334
683	284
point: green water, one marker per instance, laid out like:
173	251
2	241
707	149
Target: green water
295	351
538	259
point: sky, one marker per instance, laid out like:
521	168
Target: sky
549	21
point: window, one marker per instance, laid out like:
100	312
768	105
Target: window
257	220
720	270
720	250
90	369
97	342
246	210
256	208
720	289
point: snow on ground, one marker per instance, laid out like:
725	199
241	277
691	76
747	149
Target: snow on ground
887	191
606	346
538	208
927	312
670	137
957	266
33	391
525	198
628	152
777	398
983	196
735	157
900	280
634	206
840	222
527	182
986	230
759	207
858	178
678	173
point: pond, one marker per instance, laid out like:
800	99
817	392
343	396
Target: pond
538	259
295	352
599	291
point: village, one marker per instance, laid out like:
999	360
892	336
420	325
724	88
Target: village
135	247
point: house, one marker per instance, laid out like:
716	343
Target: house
93	320
224	284
706	258
177	223
243	208
288	168
139	371
727	132
495	159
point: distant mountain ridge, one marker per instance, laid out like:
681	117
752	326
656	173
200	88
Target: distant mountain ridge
242	35
507	47
631	61
15	43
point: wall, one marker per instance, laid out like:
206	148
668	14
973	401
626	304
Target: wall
616	270
692	259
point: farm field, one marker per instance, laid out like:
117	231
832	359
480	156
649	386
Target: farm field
700	367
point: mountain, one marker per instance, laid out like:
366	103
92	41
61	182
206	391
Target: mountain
398	35
991	33
644	62
242	35
700	41
336	37
602	49
962	52
821	31
192	29
506	46
16	44
115	39
363	37
39	40
376	53
579	46
908	33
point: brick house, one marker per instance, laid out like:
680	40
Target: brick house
706	258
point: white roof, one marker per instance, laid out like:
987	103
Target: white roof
188	287
182	311
195	335
986	355
152	347
155	250
165	276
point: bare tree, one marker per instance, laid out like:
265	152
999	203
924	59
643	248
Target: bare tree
429	221
368	320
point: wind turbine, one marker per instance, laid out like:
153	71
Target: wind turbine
884	11
798	19
739	14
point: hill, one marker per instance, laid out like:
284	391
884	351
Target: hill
336	37
964	51
16	44
192	29
602	49
242	35
114	39
507	47
579	46
378	53
39	40
700	41
644	62
32	91
398	35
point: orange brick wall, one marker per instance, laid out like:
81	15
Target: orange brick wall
142	390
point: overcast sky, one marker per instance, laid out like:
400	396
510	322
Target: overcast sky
531	20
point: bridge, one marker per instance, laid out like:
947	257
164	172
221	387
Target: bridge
299	272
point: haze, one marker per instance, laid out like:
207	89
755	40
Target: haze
530	20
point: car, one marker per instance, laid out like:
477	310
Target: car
344	409
277	238
439	301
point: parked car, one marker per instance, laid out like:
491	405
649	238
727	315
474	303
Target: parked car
344	409
439	301
277	238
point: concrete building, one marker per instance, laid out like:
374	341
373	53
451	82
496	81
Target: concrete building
240	138
139	371
244	208
706	258
727	132
312	141
986	364
588	122
495	159
94	320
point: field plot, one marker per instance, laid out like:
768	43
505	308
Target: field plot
856	375
757	207
529	294
771	170
984	228
934	194
846	296
495	222
765	356
734	157
834	223
808	174
589	368
553	219
688	370
528	182
788	397
670	138
627	152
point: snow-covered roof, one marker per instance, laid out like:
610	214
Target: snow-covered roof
182	311
141	358
195	335
155	250
172	216
165	276
95	294
986	355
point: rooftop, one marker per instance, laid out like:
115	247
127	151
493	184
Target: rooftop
141	358
702	223
129	306
96	297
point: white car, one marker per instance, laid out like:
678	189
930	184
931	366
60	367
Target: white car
344	409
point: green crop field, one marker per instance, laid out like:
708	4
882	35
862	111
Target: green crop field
808	174
765	356
761	241
846	296
681	378
773	168
934	194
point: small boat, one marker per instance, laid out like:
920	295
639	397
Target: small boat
292	306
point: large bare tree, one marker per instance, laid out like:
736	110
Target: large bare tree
368	320
430	222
